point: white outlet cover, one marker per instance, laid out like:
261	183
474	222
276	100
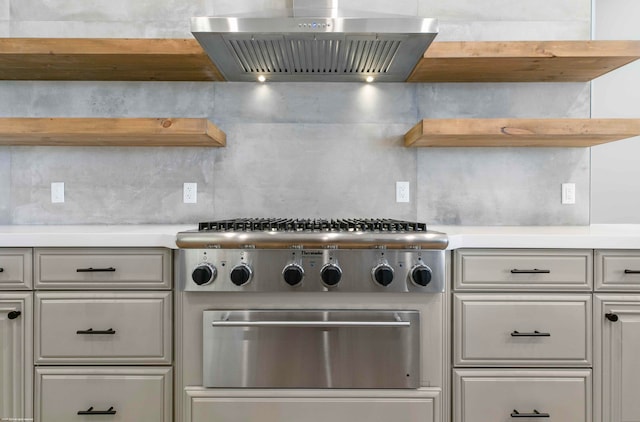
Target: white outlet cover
190	193
57	192
568	193
402	192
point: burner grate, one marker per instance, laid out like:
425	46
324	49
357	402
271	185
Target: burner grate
313	225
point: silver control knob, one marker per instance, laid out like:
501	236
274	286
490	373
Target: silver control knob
204	274
241	274
421	275
382	274
331	274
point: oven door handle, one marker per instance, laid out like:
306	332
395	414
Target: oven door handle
314	324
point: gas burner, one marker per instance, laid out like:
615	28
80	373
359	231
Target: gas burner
311	225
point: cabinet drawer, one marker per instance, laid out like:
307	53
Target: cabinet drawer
15	269
134	394
117	268
522	330
499	395
523	269
103	327
618	270
312	405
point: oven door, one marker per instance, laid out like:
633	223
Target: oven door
311	348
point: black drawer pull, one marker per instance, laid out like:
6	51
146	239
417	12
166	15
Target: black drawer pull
96	270
611	317
632	271
536	333
14	314
534	271
1	270
92	331
90	411
535	414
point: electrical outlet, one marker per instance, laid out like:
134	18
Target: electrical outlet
57	192
190	193
402	192
568	193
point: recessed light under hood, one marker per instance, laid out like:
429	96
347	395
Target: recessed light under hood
315	41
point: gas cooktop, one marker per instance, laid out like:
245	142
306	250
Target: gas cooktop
284	233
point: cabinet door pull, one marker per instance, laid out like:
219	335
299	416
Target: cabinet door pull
96	270
534	271
536	333
90	411
92	331
1	270
535	414
611	317
632	271
14	314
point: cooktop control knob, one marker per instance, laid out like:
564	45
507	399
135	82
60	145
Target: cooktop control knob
382	274
293	274
241	274
421	274
331	274
204	274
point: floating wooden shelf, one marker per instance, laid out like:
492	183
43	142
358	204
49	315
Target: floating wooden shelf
523	61
520	132
113	59
110	132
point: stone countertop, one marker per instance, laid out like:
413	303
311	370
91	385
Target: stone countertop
135	235
605	236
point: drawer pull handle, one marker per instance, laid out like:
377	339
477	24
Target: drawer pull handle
1	270
90	411
96	270
611	317
632	271
536	333
92	331
534	271
14	314
535	414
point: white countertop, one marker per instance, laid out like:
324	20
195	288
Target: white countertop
135	235
605	236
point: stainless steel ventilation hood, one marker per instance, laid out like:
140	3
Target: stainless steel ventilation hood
315	41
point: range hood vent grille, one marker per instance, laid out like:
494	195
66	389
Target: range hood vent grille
291	55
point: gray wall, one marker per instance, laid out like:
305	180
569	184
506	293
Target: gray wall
615	179
294	149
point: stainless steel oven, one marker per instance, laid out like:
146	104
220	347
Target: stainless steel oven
311	348
310	320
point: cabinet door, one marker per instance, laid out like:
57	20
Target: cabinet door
617	363
16	359
220	405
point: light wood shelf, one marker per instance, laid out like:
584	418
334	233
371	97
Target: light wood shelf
101	59
128	59
520	132
110	132
523	61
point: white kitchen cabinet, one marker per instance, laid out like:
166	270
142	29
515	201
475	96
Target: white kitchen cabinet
122	394
616	359
103	328
522	335
15	269
503	395
202	405
16	356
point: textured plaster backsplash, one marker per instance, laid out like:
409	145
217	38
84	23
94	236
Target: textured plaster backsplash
294	149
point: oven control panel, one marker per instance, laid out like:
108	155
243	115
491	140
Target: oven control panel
301	270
